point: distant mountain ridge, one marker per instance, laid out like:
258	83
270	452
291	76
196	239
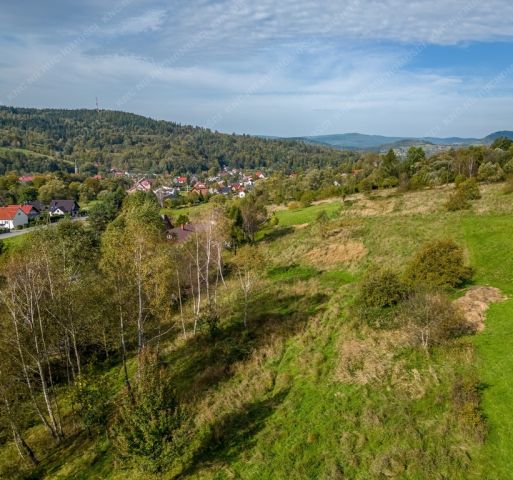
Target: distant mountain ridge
360	141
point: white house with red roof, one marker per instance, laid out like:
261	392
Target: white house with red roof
12	216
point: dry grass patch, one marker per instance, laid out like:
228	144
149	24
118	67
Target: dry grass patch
474	304
301	226
346	253
371	359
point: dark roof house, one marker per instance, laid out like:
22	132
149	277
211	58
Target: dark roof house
39	206
64	207
182	233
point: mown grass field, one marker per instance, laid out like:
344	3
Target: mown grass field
490	242
300	216
307	393
193	212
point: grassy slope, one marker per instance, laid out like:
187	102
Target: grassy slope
24	151
31	153
307	215
311	396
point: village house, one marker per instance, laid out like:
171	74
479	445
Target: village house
59	208
31	211
12	217
39	206
163	192
142	185
183	232
200	189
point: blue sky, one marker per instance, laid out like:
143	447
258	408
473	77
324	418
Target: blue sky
288	67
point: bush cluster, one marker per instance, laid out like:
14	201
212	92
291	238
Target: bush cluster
379	293
416	298
432	318
465	190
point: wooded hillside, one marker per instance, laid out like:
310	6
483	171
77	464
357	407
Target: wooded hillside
33	140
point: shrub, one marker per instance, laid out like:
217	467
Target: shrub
508	187
508	168
390	182
432	319
381	288
322	221
459	180
182	220
490	172
379	292
470	189
457	201
465	190
209	320
90	395
293	205
148	430
439	263
306	199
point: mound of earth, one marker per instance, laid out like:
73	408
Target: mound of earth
336	253
475	303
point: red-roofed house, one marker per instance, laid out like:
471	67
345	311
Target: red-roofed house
26	179
31	211
12	217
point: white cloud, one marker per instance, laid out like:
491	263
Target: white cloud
284	68
436	21
150	21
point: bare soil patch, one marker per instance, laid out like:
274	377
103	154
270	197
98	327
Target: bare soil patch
475	303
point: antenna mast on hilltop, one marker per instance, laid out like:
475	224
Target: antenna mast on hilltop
97	106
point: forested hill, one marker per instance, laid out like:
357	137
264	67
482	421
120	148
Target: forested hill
34	140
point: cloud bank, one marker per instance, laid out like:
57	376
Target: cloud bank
267	67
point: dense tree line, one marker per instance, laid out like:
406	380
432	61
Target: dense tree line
372	171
